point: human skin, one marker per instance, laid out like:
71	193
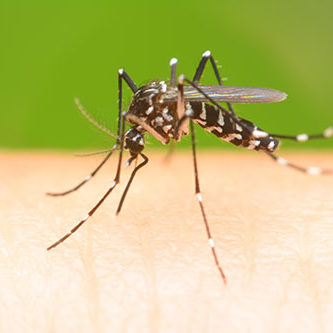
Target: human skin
150	269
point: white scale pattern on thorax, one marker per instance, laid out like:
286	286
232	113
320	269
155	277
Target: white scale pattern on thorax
163	120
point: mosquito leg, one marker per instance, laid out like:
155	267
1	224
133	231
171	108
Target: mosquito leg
121	135
201	67
173	76
205	56
93	210
130	181
308	170
199	197
90	213
182	126
327	133
87	178
122	74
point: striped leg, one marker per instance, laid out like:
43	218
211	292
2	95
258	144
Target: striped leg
173	78
93	210
87	178
122	75
199	197
327	133
90	213
180	125
196	79
120	141
307	170
205	56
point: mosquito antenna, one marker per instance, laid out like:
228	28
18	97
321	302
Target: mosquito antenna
94	153
92	120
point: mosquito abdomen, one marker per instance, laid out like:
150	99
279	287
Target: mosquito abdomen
221	124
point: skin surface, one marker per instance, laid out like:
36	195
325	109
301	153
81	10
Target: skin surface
150	269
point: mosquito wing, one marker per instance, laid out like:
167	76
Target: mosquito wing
229	94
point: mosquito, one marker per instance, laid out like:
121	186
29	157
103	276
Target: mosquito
168	110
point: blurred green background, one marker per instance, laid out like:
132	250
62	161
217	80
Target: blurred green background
52	51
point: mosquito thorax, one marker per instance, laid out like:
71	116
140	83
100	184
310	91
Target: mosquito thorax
149	110
147	96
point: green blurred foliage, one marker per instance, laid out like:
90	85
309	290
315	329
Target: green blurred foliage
52	51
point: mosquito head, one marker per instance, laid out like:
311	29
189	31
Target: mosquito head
134	140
